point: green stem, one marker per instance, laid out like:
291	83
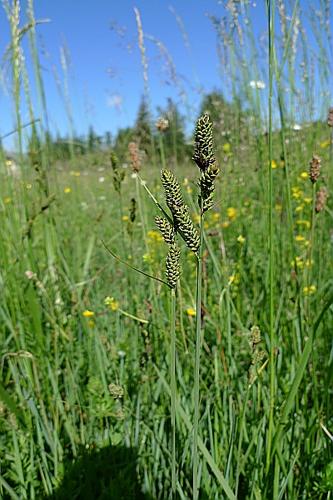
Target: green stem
173	387
198	341
311	245
240	441
160	138
271	8
141	212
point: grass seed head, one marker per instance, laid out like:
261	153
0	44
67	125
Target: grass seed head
182	220
132	210
321	198
135	157
172	189
203	143
172	271
162	124
330	117
207	186
185	226
205	159
118	173
166	229
314	171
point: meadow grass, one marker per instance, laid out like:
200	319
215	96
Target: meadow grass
108	388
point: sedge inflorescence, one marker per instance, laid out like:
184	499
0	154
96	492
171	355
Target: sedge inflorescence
180	221
205	159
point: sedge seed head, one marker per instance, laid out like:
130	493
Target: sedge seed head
166	229
172	266
314	171
203	143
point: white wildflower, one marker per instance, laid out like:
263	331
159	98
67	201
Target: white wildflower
257	84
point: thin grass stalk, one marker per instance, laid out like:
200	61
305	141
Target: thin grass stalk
37	66
198	340
312	234
161	144
141	211
240	440
289	204
173	386
272	385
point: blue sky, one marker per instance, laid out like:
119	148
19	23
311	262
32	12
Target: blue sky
105	81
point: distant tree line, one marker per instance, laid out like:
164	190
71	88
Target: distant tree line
167	131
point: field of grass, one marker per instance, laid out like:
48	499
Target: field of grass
112	384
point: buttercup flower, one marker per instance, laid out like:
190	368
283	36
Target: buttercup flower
190	311
88	314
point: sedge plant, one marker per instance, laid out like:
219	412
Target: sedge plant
180	222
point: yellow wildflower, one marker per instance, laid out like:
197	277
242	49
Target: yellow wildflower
148	257
190	311
325	144
28	186
125	218
67	190
231	213
307	200
298	262
296	192
299	208
88	314
225	224
304	223
241	239
7	200
215	216
299	238
309	290
189	189
274	164
196	218
278	207
155	236
234	279
111	303
304	175
226	147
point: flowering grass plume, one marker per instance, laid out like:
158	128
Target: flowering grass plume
118	174
182	221
314	172
205	159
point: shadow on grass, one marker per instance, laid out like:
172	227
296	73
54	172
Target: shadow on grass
106	474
